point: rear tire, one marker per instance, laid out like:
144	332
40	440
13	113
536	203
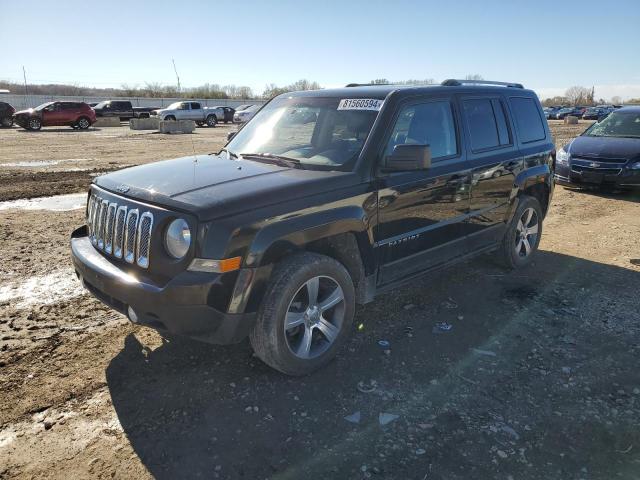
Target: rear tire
306	314
212	121
523	234
83	123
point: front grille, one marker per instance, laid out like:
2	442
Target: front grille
604	171
607	160
120	231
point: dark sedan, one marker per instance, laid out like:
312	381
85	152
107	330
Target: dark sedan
566	112
606	154
596	113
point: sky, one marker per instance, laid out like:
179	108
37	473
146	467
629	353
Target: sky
546	45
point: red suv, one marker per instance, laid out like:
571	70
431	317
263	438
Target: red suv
75	114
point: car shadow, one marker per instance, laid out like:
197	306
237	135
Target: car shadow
627	195
194	410
58	130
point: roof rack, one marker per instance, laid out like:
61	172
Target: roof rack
364	84
451	82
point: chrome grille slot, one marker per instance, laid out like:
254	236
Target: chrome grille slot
120	231
118	236
102	220
144	239
108	229
130	235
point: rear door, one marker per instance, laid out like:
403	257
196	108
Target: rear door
196	113
420	212
494	159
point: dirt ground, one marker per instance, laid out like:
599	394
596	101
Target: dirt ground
538	377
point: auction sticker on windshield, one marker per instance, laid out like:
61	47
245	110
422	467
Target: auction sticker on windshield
360	104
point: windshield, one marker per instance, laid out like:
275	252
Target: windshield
312	131
43	106
174	106
617	124
101	105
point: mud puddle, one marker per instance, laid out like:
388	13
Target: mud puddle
56	203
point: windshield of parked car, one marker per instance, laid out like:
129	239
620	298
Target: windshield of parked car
617	124
174	106
43	106
100	105
317	133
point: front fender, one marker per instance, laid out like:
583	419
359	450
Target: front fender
274	239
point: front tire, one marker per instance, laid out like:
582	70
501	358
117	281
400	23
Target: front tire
6	122
170	118
212	121
306	314
34	124
523	234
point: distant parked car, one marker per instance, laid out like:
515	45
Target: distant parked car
122	109
569	111
228	113
246	114
6	114
549	112
191	111
596	113
606	154
74	114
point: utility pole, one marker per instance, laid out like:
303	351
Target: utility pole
176	70
24	75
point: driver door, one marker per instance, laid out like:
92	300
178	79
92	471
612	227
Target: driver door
52	115
420	212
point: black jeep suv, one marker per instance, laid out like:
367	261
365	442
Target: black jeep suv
322	200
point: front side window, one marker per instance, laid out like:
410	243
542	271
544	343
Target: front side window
310	130
195	106
528	120
426	124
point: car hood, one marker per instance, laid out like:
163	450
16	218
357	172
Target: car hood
28	111
604	147
210	186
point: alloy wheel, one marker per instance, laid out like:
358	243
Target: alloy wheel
526	233
314	317
83	123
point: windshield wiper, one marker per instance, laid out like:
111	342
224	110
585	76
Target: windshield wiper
274	159
229	153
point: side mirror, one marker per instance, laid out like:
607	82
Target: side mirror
408	157
230	135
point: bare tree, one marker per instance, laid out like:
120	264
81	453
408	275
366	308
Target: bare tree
577	95
473	76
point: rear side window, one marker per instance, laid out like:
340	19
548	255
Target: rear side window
528	120
487	123
426	124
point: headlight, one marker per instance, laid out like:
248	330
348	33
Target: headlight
635	166
178	238
562	157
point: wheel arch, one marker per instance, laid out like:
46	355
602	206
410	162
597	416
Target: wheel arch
344	237
536	182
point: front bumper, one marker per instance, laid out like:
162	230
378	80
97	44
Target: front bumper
612	177
179	307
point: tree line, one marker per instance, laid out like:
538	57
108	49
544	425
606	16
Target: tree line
582	96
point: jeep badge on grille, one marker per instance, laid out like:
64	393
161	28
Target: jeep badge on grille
122	188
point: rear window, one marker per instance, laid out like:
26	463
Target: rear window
487	123
527	118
